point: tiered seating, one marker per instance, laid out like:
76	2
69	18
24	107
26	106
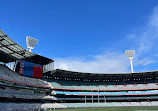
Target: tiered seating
130	86
8	75
121	87
102	86
11	90
92	85
19	106
154	103
140	86
47	106
109	93
135	104
152	85
65	84
24	94
146	103
77	85
125	103
29	106
82	85
111	87
111	98
109	104
26	91
55	84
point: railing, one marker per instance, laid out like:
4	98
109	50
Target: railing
109	93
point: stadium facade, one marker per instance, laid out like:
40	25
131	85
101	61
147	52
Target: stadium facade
33	84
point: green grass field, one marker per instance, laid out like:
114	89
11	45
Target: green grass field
114	109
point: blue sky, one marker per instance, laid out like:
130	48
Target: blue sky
87	35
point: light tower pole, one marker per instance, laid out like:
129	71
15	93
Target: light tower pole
31	43
130	55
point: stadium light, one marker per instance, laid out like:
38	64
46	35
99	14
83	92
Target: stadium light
31	43
130	55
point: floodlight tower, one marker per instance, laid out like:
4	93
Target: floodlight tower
31	43
130	55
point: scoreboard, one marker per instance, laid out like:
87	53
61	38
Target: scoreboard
29	69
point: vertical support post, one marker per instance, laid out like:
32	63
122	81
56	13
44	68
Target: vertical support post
49	67
105	101
98	99
14	65
85	101
131	65
92	99
53	65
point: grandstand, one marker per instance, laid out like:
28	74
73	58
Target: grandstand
78	89
23	87
19	91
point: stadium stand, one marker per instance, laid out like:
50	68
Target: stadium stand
99	86
59	89
80	90
29	106
19	92
8	75
111	104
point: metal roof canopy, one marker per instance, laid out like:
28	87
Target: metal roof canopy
39	59
11	51
71	74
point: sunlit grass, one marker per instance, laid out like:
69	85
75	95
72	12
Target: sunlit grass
113	109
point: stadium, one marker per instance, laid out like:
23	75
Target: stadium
28	81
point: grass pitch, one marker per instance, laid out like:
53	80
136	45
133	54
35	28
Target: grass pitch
113	109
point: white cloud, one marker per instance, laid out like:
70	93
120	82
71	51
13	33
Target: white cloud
144	62
64	66
103	63
131	36
146	39
143	42
154	17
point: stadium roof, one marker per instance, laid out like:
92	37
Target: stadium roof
11	51
39	59
95	76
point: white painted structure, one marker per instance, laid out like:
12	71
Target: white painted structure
31	43
130	55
